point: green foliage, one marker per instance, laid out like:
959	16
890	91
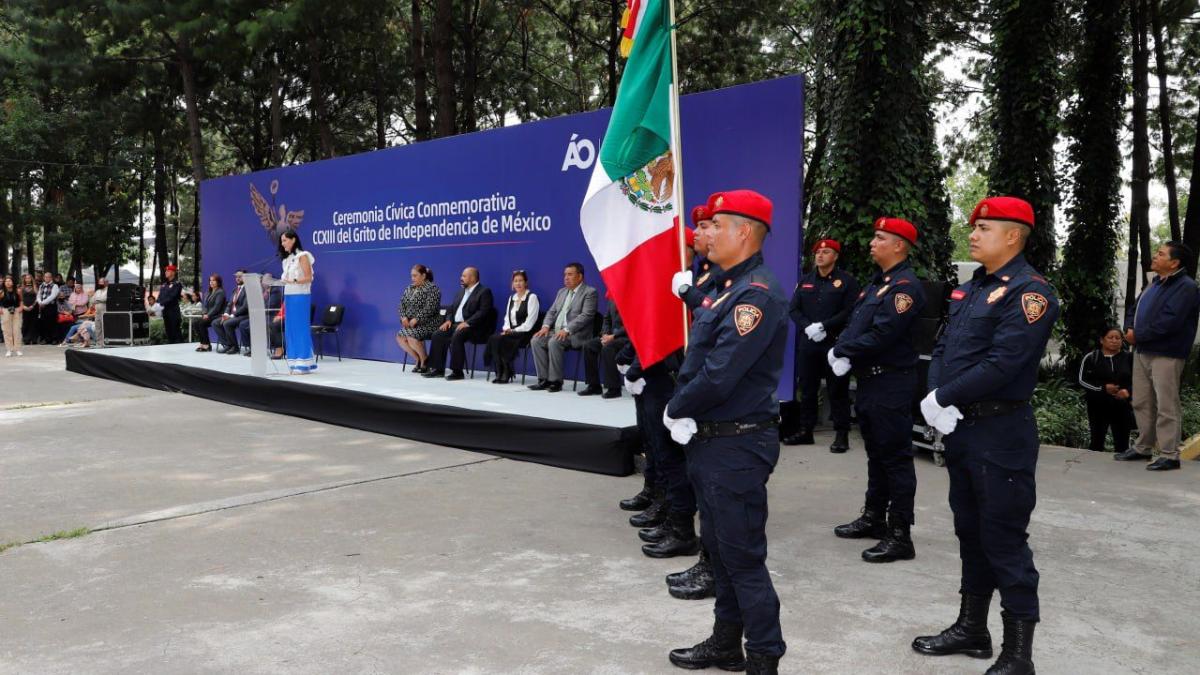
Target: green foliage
882	158
1061	413
966	187
1087	280
1023	87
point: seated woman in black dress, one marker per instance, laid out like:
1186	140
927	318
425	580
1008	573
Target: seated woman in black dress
520	318
1107	378
419	315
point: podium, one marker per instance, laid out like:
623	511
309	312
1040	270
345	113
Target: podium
257	317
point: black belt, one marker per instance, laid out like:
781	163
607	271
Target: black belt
991	408
872	371
722	429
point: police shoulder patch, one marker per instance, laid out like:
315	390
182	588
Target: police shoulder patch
904	302
746	318
1034	305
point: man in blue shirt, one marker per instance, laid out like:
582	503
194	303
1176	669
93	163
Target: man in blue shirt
1161	326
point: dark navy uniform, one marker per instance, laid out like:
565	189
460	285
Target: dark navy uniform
878	342
168	296
727	385
986	364
704	291
827	301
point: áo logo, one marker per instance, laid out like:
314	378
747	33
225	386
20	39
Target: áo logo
580	154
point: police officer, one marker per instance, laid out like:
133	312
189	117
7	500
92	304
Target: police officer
820	307
878	346
725	410
168	296
983	372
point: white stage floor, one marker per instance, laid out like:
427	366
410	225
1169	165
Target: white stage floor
383	378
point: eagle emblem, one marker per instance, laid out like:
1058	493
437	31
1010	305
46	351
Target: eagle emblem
746	318
650	187
904	302
1034	305
276	220
996	294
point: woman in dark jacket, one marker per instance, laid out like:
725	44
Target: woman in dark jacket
214	304
1107	378
520	318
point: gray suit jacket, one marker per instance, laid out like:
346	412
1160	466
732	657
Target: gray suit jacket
580	315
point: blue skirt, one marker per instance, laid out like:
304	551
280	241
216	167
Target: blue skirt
297	333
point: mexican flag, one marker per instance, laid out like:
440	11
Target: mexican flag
629	216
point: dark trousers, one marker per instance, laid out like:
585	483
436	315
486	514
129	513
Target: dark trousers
600	362
204	325
730	479
502	351
884	408
455	342
226	329
29	327
812	367
48	324
654	477
669	459
1106	412
172	319
992	461
275	333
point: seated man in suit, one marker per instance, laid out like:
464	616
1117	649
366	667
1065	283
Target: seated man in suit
472	317
236	312
600	356
272	301
567	324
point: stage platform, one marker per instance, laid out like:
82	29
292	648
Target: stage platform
557	429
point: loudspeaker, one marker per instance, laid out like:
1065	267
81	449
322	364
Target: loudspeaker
116	326
126	298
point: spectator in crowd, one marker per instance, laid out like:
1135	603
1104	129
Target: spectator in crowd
520	318
29	318
418	312
189	304
472	317
100	306
82	331
151	303
212	309
77	301
568	323
12	312
47	303
236	311
1161	326
1106	375
600	356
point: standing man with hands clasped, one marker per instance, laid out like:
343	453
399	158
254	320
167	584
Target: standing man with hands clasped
725	411
878	347
984	369
820	307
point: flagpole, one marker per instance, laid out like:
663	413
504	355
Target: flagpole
677	159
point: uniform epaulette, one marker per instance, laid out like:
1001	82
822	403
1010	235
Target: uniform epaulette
761	281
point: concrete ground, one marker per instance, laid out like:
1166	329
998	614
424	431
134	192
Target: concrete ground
247	542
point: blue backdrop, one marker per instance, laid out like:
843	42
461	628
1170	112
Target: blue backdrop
499	200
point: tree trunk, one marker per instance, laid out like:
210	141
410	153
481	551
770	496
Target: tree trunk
470	77
820	141
196	240
422	124
27	203
614	50
187	71
6	225
49	245
141	229
76	266
18	231
1140	183
1191	224
1164	116
160	204
317	95
380	107
276	111
443	66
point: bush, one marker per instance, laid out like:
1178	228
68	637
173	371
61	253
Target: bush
1061	413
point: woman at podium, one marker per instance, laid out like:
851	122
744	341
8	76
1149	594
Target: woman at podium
297	299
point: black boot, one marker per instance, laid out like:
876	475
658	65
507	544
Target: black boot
841	442
676	578
655	514
655	534
700	586
722	649
969	635
896	544
640	501
870	525
761	664
681	539
1016	654
802	437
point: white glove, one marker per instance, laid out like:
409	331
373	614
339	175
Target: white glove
679	279
944	419
622	369
635	387
156	308
839	364
681	429
815	332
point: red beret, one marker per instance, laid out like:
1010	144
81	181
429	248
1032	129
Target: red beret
1003	208
700	213
827	243
689	235
171	268
899	227
745	203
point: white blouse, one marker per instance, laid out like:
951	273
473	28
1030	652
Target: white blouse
293	271
530	318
